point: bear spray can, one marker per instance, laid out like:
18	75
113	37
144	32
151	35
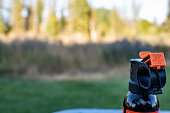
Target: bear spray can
147	78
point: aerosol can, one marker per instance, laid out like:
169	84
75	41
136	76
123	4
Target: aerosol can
147	78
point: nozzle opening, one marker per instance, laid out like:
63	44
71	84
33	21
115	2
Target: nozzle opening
144	78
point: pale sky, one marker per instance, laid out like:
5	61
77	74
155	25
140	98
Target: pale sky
152	10
149	9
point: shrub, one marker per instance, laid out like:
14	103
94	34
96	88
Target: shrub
41	57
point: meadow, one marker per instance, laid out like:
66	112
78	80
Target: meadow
34	57
30	95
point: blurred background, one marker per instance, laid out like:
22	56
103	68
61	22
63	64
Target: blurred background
63	54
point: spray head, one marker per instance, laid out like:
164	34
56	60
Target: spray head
147	75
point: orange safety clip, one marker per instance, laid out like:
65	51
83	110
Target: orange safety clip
154	60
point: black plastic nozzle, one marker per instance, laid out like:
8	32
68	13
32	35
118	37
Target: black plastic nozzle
145	79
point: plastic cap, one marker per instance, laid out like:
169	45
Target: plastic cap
155	60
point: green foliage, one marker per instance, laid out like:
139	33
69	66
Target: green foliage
70	8
145	27
167	22
29	22
63	20
81	16
102	19
18	20
53	25
39	10
107	20
3	27
117	23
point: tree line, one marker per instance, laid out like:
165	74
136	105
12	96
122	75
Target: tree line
81	18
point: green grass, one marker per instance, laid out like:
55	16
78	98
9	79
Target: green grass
21	95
